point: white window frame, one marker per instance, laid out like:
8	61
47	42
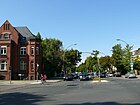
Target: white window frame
32	50
23	51
3	65
22	65
3	50
6	36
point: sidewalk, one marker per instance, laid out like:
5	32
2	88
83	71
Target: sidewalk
22	82
15	84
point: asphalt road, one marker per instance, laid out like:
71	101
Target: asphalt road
118	91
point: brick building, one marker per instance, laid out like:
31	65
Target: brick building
20	53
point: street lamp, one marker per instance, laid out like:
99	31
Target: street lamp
131	62
37	66
63	67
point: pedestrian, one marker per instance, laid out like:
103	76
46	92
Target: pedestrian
41	77
45	77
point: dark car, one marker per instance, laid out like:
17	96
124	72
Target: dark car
84	76
68	77
103	75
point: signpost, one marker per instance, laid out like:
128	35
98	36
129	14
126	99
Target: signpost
10	69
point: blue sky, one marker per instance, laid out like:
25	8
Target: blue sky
92	24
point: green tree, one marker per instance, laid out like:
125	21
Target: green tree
71	59
91	63
117	58
38	35
105	62
127	57
81	68
52	56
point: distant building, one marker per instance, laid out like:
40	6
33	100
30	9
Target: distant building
20	53
136	54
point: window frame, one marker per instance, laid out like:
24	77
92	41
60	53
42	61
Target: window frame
37	50
3	50
5	36
32	66
22	50
3	65
32	50
22	65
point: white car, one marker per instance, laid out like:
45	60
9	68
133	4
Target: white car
110	75
130	75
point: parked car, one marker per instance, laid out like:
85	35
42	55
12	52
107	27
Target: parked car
130	75
84	76
68	77
103	75
110	75
75	76
117	74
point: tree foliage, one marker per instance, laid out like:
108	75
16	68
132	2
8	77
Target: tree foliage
52	56
71	59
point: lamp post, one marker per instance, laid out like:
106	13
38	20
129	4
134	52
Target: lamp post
63	67
95	53
37	65
127	45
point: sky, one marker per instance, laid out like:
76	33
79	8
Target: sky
91	24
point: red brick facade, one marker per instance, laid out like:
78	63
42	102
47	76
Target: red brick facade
20	53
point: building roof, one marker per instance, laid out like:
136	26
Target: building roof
24	31
24	34
137	52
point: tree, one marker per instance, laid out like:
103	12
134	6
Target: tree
127	57
38	35
71	59
81	67
52	56
117	58
105	62
91	63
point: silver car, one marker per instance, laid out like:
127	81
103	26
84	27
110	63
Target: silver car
130	75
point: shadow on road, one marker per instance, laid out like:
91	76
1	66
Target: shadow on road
18	98
102	103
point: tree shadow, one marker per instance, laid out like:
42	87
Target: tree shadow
18	98
103	103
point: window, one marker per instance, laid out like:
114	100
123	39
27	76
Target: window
32	50
22	65
10	36
0	36
3	50
32	66
3	65
37	50
6	27
23	51
6	36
